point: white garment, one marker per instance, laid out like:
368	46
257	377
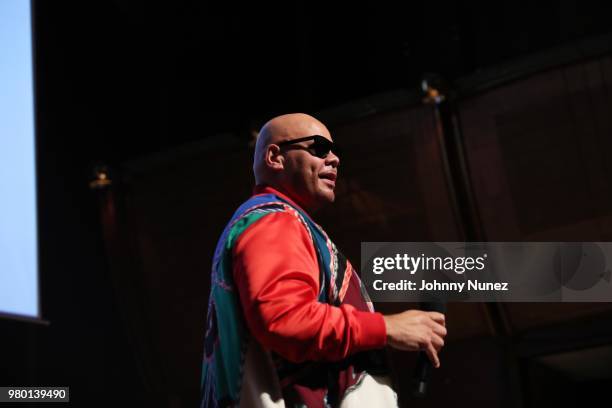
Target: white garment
372	392
261	387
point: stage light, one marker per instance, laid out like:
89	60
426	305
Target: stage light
433	89
101	178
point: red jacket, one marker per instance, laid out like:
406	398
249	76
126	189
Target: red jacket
277	277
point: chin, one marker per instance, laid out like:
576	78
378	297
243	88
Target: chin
328	197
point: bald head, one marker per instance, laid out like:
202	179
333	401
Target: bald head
284	127
294	169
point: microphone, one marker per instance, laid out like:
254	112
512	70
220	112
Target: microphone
424	365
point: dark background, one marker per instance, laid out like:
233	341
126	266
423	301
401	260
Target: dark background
119	80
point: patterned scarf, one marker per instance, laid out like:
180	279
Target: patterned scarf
311	384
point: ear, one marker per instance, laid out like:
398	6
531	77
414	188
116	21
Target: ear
274	159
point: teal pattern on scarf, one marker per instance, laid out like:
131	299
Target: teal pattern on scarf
226	335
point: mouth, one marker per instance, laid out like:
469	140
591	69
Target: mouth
329	177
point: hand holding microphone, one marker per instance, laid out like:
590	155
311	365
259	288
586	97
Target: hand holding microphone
416	330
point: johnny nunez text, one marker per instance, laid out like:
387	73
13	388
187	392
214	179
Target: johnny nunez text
472	284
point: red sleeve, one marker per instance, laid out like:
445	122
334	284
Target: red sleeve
277	276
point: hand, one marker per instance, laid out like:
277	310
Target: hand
415	330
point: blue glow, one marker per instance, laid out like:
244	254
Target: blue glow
18	233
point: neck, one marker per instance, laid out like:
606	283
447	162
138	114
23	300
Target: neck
310	208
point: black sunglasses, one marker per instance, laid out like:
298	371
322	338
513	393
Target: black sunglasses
320	148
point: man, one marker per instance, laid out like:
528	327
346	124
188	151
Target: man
289	322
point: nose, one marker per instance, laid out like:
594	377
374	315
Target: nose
332	160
